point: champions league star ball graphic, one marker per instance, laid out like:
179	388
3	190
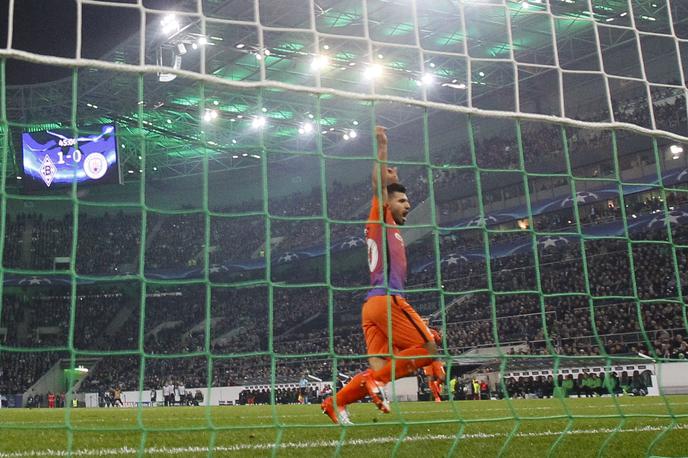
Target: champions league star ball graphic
552	242
673	217
95	166
288	257
453	259
479	221
581	198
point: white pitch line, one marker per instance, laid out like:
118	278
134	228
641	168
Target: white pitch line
314	444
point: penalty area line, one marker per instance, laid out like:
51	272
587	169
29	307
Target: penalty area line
316	444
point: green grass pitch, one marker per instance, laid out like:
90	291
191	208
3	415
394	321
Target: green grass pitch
625	427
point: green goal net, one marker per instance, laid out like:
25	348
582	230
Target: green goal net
184	192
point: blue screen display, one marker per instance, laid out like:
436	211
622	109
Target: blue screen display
56	158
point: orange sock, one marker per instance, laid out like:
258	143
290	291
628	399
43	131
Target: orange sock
435	388
403	367
352	391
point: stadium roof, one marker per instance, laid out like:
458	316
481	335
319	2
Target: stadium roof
180	121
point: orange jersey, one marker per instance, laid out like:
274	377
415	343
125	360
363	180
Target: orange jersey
393	248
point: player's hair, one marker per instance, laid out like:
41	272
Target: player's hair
395	187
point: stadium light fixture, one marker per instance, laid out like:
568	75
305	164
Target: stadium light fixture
306	128
346	136
209	115
373	71
676	149
427	79
258	122
320	63
169	24
202	41
239	46
353	134
181	49
454	85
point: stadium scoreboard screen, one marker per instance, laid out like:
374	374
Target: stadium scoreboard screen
57	158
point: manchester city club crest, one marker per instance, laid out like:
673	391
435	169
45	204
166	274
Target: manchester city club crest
95	166
48	170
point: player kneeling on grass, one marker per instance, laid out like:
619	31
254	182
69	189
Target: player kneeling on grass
410	336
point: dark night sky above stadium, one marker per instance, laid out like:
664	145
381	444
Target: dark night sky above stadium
49	27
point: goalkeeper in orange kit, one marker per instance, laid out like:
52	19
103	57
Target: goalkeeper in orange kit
410	337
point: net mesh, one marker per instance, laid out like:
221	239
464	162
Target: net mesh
541	141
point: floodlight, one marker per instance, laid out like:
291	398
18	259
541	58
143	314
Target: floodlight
320	62
258	122
169	24
373	71
306	128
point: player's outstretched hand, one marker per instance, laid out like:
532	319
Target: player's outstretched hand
381	135
436	336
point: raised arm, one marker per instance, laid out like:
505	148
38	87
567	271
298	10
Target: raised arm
389	174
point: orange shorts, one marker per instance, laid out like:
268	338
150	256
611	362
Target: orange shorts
408	329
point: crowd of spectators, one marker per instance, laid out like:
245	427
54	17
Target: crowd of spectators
578	296
284	395
583	384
